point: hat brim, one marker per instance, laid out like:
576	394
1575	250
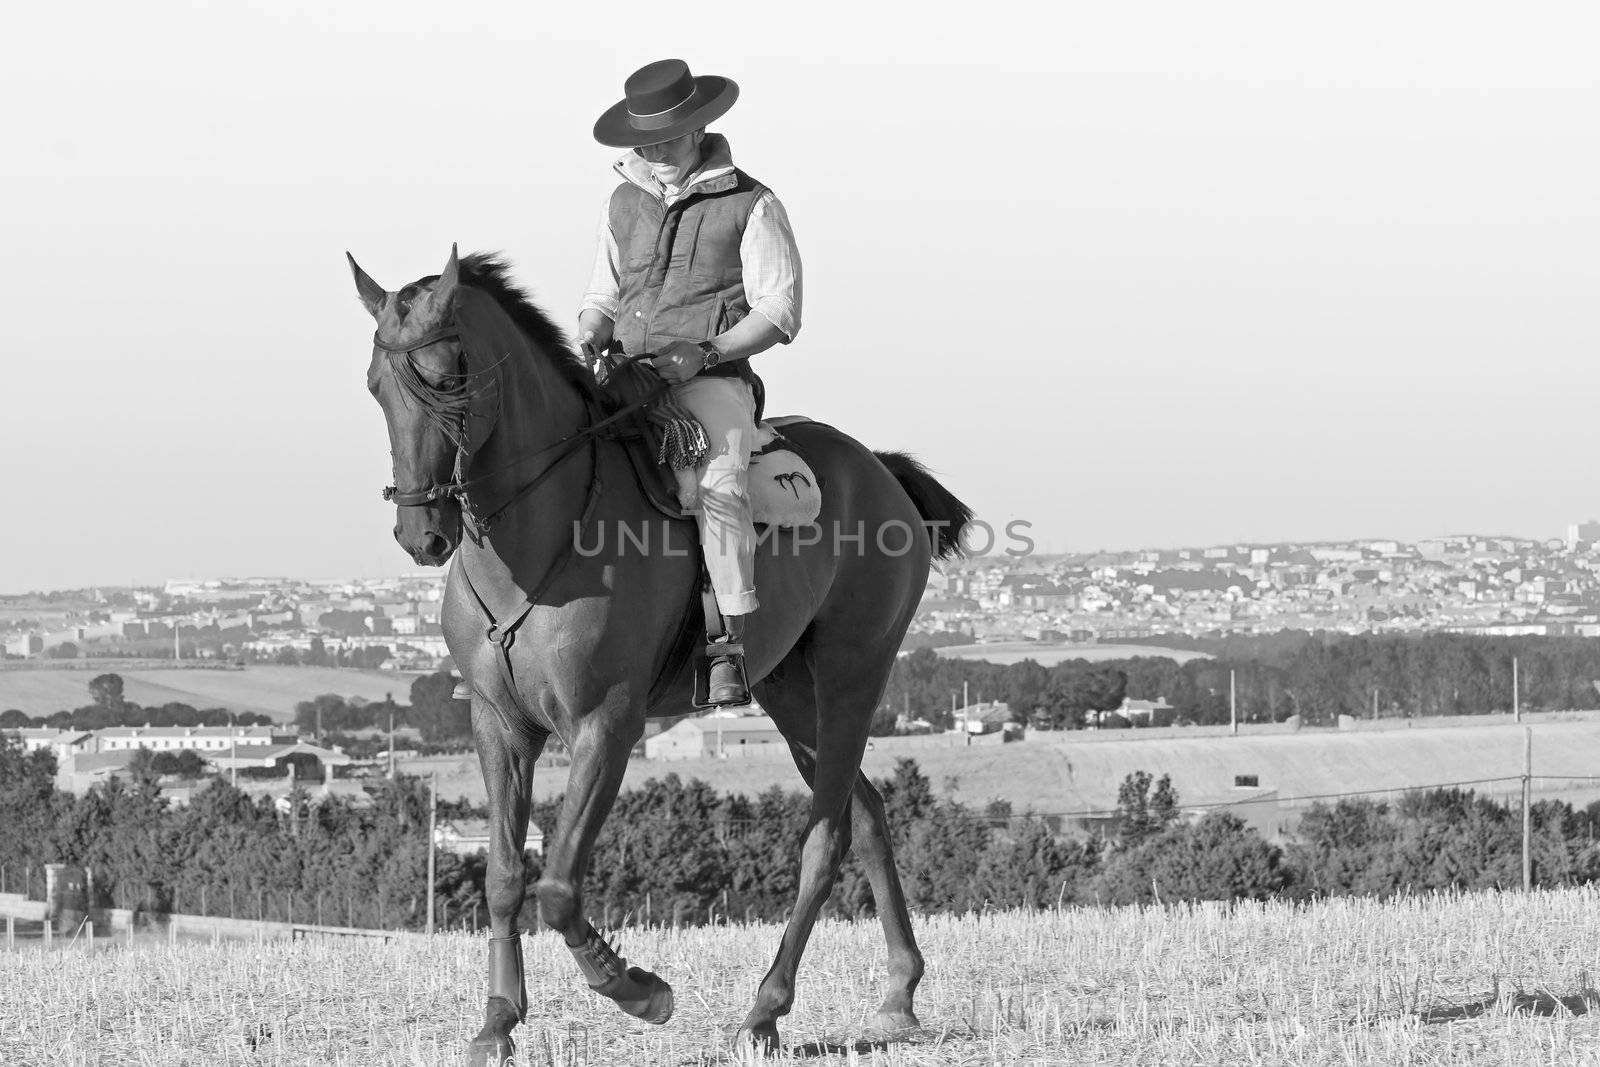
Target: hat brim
715	95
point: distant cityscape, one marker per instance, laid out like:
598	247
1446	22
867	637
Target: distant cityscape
1503	586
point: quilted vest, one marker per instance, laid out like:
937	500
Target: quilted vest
680	274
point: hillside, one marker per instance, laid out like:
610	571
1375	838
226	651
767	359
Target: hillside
264	689
1078	771
1499	980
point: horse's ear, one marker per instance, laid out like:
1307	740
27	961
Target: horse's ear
444	291
372	294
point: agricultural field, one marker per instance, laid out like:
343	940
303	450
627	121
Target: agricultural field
266	689
1081	770
1492	979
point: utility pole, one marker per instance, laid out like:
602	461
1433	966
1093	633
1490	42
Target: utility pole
1527	809
391	740
233	752
1516	692
1233	703
1374	703
433	811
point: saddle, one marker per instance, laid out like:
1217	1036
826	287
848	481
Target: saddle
783	489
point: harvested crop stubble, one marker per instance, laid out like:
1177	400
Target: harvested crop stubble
1453	979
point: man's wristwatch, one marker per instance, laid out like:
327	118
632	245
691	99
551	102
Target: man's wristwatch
712	355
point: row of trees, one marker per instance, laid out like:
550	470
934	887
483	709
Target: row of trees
433	711
676	850
1315	676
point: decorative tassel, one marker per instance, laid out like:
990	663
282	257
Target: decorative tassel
683	440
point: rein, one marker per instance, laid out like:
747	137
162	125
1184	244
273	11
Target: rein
460	486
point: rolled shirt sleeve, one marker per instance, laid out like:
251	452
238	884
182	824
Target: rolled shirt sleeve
603	280
771	266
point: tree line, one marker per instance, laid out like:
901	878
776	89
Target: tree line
1318	677
434	712
678	851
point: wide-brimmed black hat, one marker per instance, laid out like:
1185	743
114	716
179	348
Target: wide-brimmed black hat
664	101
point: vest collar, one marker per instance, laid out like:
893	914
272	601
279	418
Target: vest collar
716	173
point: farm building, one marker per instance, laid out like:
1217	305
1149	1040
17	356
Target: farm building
298	760
466	836
205	739
63	743
983	718
712	735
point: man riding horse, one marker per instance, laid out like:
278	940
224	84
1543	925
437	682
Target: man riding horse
506	459
696	264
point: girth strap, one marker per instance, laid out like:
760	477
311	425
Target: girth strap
503	633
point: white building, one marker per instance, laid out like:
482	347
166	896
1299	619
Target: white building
196	738
64	743
466	836
712	735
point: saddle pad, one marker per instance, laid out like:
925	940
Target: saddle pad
783	487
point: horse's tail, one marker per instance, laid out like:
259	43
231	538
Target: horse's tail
938	506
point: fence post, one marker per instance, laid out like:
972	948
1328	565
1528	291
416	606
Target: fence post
88	928
11	932
1527	808
49	931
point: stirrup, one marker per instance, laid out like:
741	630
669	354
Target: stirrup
720	653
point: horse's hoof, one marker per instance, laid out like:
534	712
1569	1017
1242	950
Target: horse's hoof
641	994
490	1050
892	1021
761	1038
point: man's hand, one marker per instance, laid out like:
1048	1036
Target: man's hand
678	361
593	358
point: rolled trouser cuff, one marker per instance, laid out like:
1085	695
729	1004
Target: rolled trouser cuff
736	603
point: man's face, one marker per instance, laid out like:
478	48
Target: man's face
673	161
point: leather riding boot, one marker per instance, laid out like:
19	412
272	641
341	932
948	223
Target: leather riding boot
726	686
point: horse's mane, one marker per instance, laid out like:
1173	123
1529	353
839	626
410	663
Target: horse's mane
488	272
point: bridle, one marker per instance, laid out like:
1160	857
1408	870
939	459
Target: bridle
460	486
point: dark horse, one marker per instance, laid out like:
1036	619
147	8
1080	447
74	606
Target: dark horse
498	433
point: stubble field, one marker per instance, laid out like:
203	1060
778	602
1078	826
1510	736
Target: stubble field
1483	979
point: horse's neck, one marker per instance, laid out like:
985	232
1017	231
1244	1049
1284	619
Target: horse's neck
536	408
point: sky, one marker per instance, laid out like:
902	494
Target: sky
1139	274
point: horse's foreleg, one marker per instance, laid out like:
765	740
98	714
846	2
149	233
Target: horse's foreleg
599	760
871	831
507	762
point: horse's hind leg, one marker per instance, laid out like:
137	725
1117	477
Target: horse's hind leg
507	761
870	828
845	691
790	699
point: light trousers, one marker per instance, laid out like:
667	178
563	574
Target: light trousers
727	410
